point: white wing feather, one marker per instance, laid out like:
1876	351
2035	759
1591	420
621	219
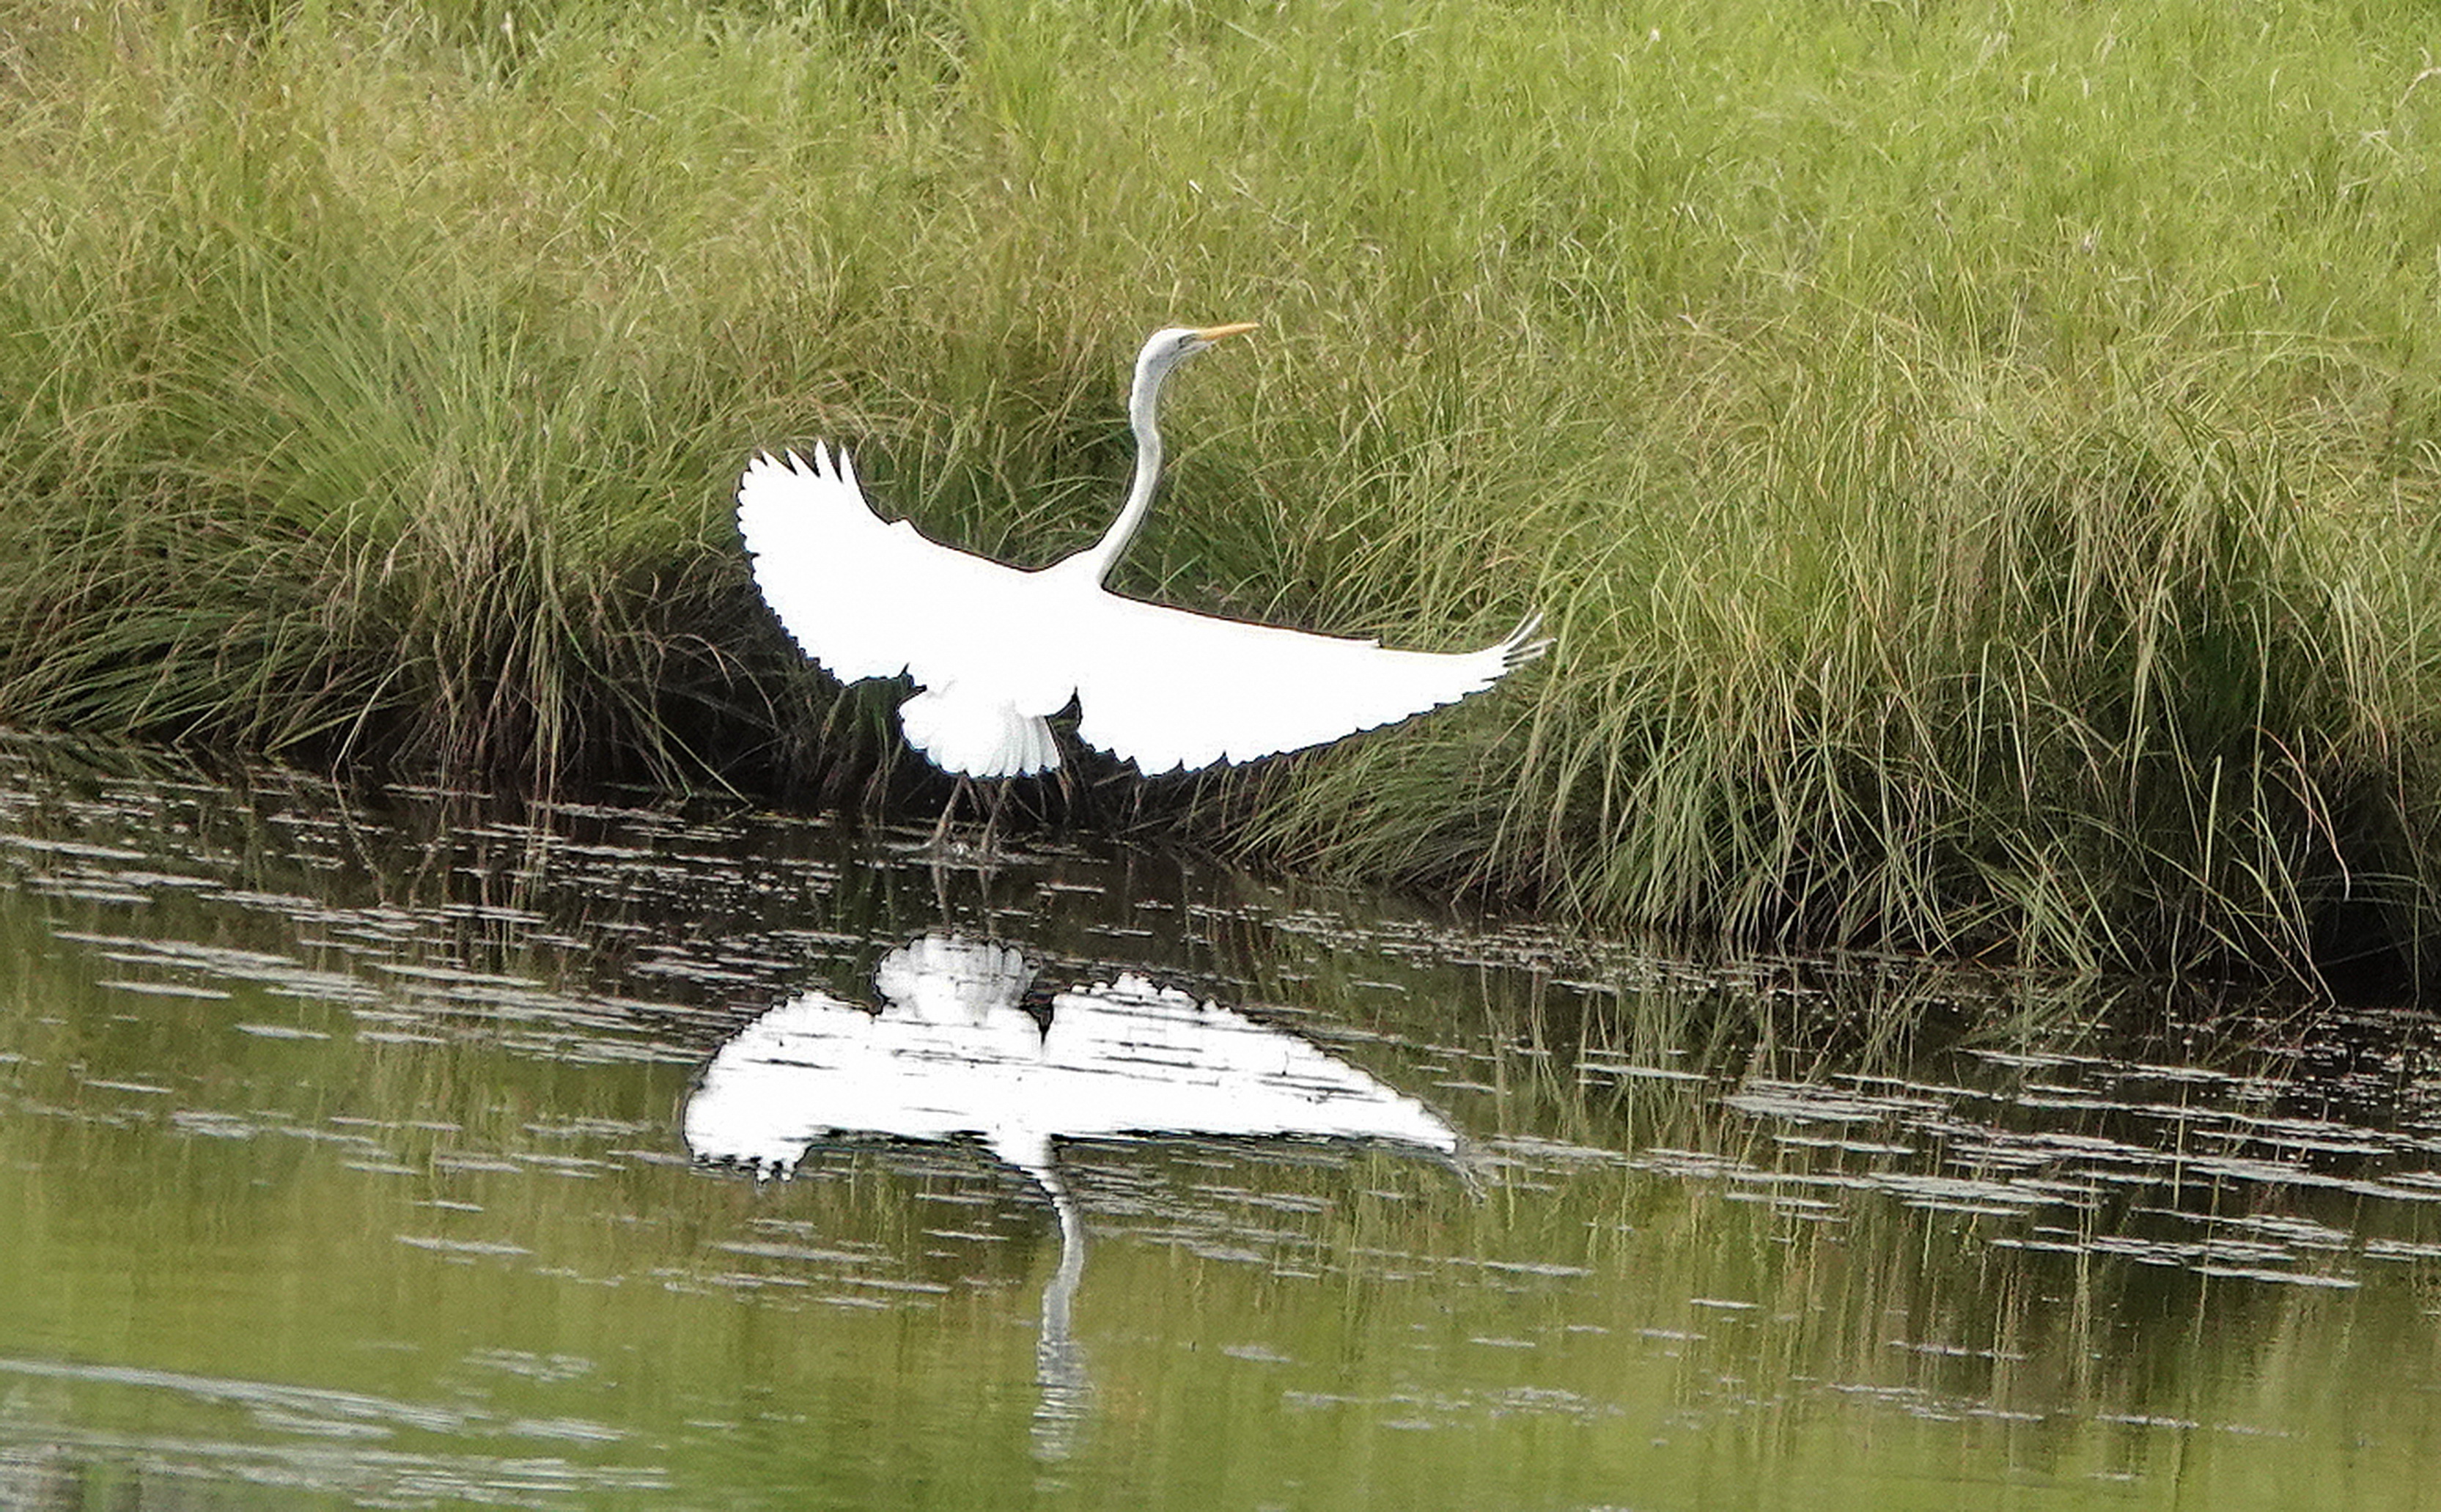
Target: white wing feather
997	648
1167	688
863	598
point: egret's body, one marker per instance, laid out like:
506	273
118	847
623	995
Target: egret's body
996	650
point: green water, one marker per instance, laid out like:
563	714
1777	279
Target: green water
345	1160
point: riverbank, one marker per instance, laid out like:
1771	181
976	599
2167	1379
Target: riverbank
1979	465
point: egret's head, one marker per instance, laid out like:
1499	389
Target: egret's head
1170	347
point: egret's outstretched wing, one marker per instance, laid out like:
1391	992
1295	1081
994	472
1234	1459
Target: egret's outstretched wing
867	598
1167	688
863	598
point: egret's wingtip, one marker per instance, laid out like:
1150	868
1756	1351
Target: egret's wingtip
1520	646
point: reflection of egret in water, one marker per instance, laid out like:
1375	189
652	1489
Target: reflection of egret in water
953	1053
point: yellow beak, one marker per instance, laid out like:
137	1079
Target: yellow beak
1216	333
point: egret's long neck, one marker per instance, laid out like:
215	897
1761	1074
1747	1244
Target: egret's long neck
1104	553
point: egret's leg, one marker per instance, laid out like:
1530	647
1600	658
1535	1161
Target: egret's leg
991	824
941	830
1067	791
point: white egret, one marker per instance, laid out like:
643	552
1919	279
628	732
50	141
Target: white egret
996	650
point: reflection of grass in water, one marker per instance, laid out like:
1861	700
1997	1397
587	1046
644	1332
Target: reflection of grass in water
1973	470
1782	1176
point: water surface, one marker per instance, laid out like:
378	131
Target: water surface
440	1152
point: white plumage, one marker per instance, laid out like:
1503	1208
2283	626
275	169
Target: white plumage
996	650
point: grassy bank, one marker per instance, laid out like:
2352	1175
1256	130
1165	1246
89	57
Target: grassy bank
1979	461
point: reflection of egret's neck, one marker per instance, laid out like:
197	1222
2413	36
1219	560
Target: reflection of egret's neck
1058	1296
1030	1152
1059	1364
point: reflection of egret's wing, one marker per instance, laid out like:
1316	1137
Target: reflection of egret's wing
817	1065
1134	1058
954	1054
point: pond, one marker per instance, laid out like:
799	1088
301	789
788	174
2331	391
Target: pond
439	1151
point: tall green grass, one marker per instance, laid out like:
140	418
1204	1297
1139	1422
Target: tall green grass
1979	461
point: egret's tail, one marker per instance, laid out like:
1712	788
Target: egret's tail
980	737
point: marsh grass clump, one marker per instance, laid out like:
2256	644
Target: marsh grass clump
2097	682
1979	463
